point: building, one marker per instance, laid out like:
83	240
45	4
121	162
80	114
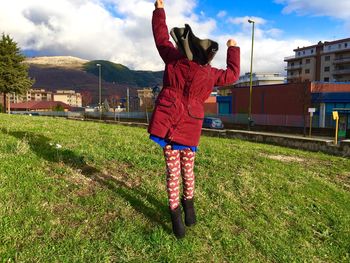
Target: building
69	97
210	104
287	104
325	62
40	106
145	98
259	79
328	97
32	95
280	104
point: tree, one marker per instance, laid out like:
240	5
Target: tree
58	107
86	97
113	102
13	73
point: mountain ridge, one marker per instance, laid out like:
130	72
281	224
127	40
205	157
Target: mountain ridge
67	72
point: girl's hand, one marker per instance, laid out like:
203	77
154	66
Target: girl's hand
231	43
159	4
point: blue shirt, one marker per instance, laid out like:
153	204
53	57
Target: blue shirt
175	146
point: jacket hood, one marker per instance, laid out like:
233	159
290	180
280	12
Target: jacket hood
201	51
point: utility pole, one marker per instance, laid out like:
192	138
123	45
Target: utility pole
250	121
99	90
128	99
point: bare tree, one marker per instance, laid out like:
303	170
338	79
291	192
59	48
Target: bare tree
114	102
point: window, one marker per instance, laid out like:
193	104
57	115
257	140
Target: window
326	69
304	52
346	45
340	105
224	108
329	107
307	71
292	64
327	58
299	53
308	61
326	79
312	51
339	45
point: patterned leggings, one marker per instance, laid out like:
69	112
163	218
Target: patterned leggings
179	162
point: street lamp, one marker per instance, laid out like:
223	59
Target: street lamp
99	90
250	121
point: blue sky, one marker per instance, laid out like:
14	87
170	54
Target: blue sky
313	25
120	31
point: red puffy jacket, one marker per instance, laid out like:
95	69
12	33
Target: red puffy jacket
179	109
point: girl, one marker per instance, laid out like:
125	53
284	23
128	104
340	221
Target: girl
177	119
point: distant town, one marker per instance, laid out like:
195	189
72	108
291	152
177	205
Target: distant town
317	77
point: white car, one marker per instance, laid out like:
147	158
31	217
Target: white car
212	123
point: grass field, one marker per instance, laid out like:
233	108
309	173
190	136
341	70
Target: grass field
101	198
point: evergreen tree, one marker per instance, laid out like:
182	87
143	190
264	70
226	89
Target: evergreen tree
13	72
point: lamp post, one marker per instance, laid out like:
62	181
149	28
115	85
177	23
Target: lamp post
250	121
99	90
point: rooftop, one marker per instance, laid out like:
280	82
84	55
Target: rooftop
38	105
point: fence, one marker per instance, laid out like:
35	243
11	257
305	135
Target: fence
93	115
259	119
270	120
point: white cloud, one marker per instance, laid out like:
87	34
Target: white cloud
116	30
274	32
221	14
269	52
120	31
244	20
338	9
270	48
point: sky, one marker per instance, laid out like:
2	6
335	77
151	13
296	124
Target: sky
120	30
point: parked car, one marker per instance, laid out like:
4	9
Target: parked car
212	123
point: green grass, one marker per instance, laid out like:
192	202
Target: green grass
101	198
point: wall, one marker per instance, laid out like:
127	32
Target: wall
281	99
210	106
317	87
297	142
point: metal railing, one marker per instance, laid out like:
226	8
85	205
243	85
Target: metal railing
341	60
282	120
341	71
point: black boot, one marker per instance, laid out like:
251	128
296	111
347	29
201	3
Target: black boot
178	225
190	214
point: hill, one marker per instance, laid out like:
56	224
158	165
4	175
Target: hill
58	61
62	72
118	73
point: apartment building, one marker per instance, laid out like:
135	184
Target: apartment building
325	62
147	97
32	95
69	97
260	78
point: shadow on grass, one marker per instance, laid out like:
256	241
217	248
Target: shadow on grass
41	146
116	181
156	211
